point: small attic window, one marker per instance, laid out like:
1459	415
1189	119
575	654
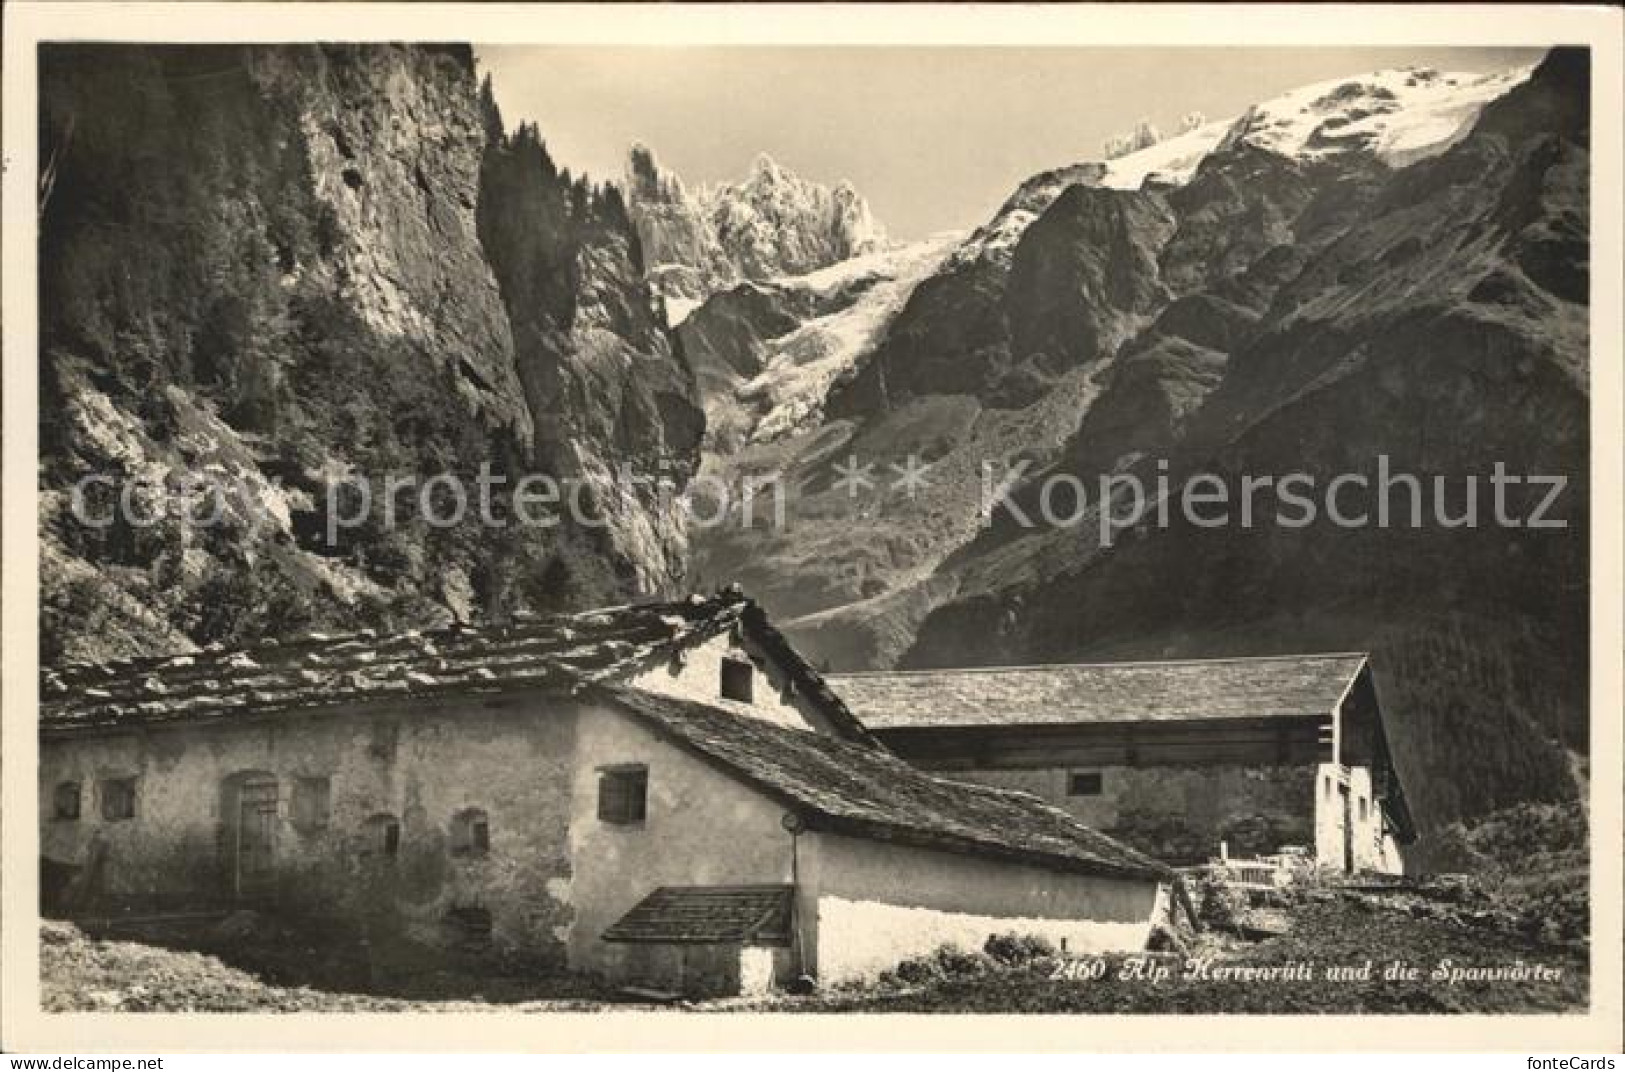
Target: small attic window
623	795
1084	784
738	679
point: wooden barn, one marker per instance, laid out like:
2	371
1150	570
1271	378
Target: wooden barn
1177	758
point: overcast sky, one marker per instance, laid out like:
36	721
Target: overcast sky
935	138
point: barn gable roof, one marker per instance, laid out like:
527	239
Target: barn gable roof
1285	686
846	788
554	652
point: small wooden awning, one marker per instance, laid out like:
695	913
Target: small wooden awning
745	915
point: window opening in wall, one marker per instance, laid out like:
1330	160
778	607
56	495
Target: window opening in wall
470	924
65	800
738	679
312	803
1084	784
470	833
118	799
382	837
623	794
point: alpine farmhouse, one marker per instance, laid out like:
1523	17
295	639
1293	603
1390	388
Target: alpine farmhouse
663	794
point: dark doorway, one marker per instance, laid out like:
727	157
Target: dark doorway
1348	830
256	817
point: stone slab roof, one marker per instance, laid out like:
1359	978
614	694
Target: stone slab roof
562	652
847	788
1287	686
755	915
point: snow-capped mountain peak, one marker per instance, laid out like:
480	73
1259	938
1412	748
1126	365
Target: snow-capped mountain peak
773	223
1399	115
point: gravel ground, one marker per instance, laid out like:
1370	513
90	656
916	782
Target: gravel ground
79	973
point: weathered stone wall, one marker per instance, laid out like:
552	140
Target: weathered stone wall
421	767
866	905
1180	814
702	827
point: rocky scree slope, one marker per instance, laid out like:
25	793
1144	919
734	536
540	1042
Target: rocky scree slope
276	266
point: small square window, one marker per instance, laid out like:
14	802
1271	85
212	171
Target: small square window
1084	784
738	679
623	795
118	799
65	801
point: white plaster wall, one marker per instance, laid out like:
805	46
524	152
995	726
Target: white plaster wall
1328	816
1391	856
762	967
1367	831
702	828
699	677
1374	846
870	904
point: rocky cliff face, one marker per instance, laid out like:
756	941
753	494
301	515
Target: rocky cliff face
265	265
618	414
772	224
953	335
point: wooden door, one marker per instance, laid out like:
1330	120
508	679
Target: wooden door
256	837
